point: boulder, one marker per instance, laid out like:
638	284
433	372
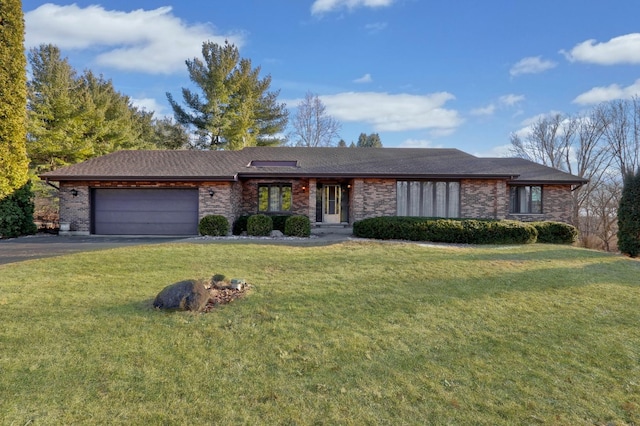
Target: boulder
276	234
189	295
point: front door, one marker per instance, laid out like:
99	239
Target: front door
331	201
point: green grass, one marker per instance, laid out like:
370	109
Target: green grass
355	333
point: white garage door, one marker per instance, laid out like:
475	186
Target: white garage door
145	211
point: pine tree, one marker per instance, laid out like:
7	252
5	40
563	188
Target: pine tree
629	216
235	108
13	99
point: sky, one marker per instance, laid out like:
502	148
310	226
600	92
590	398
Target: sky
460	74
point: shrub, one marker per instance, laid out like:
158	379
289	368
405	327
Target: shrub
297	226
556	232
259	225
16	213
240	225
629	216
215	225
465	231
279	222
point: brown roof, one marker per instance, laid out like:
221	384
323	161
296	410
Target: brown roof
400	163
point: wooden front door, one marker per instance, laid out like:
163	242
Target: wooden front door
331	200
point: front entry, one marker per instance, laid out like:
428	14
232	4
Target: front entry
331	202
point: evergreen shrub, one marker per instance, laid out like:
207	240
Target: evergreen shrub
297	226
240	225
259	225
550	232
215	225
462	231
16	213
629	216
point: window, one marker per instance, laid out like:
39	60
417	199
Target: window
274	198
526	199
428	198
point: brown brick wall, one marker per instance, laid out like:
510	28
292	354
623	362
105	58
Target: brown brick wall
556	205
373	197
483	199
368	198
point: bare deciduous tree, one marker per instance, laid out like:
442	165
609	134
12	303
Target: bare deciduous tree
622	132
312	126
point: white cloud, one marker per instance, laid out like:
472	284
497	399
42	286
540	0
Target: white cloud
393	113
619	50
511	99
324	6
149	104
531	65
364	79
507	101
149	41
608	93
376	27
487	110
417	143
495	151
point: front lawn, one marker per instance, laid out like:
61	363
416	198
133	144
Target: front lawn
354	333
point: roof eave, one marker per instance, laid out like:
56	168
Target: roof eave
59	178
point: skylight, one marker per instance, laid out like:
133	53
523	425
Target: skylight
273	163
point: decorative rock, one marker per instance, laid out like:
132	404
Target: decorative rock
237	284
189	295
277	234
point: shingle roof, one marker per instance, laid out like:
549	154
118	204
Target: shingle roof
309	162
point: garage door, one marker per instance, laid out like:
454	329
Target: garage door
145	211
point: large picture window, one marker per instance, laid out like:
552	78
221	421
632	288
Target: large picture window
526	199
274	198
428	198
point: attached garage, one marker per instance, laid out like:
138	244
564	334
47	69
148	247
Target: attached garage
149	211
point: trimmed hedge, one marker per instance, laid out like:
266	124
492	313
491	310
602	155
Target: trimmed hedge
297	226
259	225
215	225
461	231
556	232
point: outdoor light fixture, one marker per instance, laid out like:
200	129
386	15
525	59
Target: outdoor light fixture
211	192
304	188
74	192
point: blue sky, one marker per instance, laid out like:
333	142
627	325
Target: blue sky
422	73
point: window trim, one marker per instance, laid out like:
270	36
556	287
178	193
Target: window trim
280	187
515	200
421	213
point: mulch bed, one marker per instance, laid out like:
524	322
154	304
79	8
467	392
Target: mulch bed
223	296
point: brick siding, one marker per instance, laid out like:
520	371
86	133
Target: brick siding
367	198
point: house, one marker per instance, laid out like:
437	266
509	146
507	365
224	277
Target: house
167	192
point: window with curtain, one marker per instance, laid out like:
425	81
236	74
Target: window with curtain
274	198
428	198
525	199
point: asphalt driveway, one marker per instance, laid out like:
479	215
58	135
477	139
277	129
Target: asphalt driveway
49	245
45	245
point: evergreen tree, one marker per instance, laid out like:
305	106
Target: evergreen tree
235	108
56	127
629	216
72	118
369	141
13	98
342	143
